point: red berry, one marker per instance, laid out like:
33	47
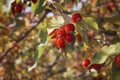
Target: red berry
91	33
97	67
117	60
61	43
69	28
60	32
54	41
85	62
79	38
69	38
76	17
111	4
18	8
34	1
14	44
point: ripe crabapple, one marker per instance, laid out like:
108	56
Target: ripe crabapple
54	41
91	34
69	28
61	43
110	6
79	38
76	17
69	38
60	32
85	63
15	44
117	60
18	8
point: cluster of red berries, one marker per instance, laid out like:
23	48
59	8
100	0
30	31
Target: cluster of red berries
86	64
18	7
117	60
65	35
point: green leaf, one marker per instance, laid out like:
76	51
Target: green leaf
43	34
113	19
115	72
105	52
37	55
37	7
91	23
44	40
38	52
117	48
99	58
82	24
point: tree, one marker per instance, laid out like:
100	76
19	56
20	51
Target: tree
37	36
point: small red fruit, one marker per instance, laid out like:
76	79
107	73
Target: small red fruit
91	34
14	44
117	60
61	43
76	17
54	41
85	63
69	6
34	1
79	38
97	67
69	38
60	32
111	4
18	8
69	28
